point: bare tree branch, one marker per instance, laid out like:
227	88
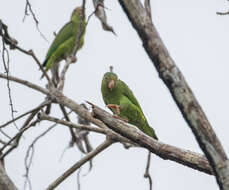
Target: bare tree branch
29	156
71	58
43	116
5	181
191	159
76	166
6	64
28	8
185	157
15	140
13	44
81	29
147	174
24	114
179	89
5	35
63	73
82	135
2	142
68	119
25	83
222	13
101	15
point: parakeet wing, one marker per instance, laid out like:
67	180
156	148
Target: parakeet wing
64	34
129	94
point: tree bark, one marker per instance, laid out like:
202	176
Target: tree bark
179	89
5	181
165	151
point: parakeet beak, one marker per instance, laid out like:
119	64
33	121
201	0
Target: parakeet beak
111	85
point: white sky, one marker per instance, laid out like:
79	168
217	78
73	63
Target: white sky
196	38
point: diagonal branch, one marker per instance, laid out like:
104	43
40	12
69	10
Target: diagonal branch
24	114
43	116
13	44
165	151
25	83
185	157
31	151
77	165
179	89
28	8
27	124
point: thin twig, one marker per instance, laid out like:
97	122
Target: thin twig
24	114
28	8
28	162
4	133
222	13
15	144
5	35
13	45
147	174
32	149
7	70
81	29
78	178
17	137
25	83
84	136
43	116
77	165
68	119
94	12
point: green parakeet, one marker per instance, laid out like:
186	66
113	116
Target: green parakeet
65	41
122	102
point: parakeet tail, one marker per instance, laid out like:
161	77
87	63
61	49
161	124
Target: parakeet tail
45	62
150	131
43	65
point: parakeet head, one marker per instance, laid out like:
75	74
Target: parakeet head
77	13
109	80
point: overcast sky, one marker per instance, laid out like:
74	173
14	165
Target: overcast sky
196	38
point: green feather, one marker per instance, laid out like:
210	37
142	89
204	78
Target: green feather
64	34
64	42
122	96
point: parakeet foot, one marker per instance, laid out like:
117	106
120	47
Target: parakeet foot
115	106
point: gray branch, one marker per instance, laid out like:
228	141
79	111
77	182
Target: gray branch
77	165
25	82
179	89
165	151
5	181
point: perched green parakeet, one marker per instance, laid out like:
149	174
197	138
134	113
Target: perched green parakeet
122	102
65	41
